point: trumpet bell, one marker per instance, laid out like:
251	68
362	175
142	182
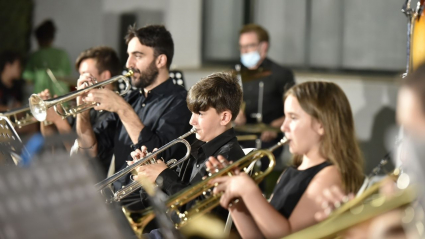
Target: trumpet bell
38	107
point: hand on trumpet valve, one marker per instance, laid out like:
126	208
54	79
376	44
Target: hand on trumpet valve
231	189
84	81
332	198
102	98
214	165
106	99
51	115
138	154
45	94
151	169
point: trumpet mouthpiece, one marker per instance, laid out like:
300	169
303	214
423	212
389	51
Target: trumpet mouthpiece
129	73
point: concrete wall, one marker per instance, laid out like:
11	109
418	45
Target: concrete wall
79	23
286	23
336	34
83	24
223	19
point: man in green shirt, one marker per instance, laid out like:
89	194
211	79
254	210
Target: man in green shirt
47	58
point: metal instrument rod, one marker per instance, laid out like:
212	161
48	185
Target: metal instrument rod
128	169
134	186
260	102
407	10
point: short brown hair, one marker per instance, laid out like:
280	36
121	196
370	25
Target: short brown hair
106	59
155	36
328	104
221	91
262	34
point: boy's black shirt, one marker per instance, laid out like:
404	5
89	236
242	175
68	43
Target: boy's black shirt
192	172
194	169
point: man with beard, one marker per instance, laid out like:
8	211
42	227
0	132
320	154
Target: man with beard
153	115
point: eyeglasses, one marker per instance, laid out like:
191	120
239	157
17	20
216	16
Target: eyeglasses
248	46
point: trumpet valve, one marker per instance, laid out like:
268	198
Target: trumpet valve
183	215
171	162
207	193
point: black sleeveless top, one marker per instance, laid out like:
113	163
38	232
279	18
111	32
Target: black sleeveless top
291	186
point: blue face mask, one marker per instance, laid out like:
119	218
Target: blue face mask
250	59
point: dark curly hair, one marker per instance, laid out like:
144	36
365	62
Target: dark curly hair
155	36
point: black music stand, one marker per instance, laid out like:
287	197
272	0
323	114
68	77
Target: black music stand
177	77
157	200
54	198
11	146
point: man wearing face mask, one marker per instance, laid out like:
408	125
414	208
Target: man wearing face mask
258	69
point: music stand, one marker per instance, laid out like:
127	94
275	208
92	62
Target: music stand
53	198
11	146
158	199
246	75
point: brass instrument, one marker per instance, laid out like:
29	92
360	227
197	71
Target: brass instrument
379	205
135	185
23	120
368	205
204	188
368	193
20	121
39	106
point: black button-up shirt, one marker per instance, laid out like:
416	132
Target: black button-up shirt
192	172
165	115
275	85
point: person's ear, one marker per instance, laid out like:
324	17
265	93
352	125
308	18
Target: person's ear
264	47
105	75
225	117
161	61
319	128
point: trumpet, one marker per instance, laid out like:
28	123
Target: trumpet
135	185
25	120
204	188
20	122
360	209
39	106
